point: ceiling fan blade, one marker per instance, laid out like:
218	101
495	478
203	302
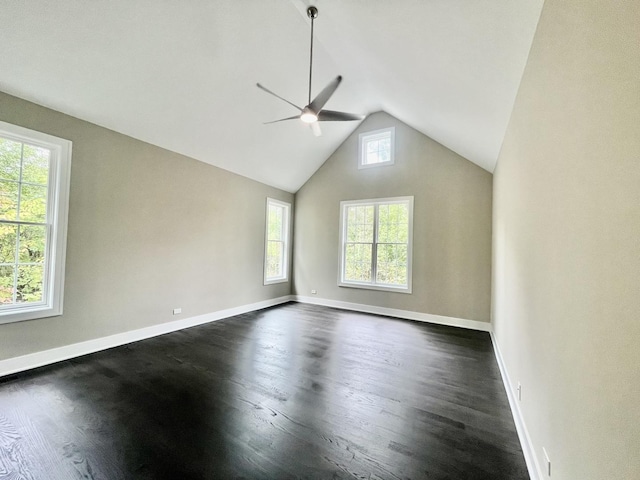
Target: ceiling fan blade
331	116
282	120
277	96
316	129
325	94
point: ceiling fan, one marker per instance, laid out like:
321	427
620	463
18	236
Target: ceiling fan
314	112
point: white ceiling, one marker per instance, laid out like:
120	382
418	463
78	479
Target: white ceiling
182	74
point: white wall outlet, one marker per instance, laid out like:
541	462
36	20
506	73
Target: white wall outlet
314	292
177	311
547	461
519	392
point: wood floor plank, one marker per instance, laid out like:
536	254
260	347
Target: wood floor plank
295	391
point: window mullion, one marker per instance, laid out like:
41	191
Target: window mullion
18	222
20	181
374	247
14	297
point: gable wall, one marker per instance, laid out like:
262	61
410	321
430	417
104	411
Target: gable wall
452	224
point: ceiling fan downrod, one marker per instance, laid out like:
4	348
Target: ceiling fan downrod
312	13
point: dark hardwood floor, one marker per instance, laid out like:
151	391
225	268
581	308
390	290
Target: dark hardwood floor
295	391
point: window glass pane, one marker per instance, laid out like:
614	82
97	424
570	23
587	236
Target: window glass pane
35	165
30	280
383	223
6	284
358	263
8	200
360	224
275	222
403	233
369	214
275	255
391	264
33	203
8	235
360	215
32	243
367	234
352	224
383	231
393	212
378	149
10	153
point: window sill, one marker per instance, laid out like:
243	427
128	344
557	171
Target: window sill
276	280
383	288
32	313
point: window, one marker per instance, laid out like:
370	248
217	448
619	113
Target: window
276	266
375	243
34	197
376	148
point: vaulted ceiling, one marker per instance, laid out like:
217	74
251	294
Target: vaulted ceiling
182	74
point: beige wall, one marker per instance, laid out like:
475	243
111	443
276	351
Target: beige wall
149	230
452	224
566	296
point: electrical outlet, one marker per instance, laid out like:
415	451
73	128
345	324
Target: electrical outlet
548	462
177	311
314	292
519	392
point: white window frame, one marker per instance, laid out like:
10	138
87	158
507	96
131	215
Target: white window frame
286	223
376	202
57	216
374	135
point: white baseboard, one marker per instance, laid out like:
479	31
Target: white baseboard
394	312
46	357
535	472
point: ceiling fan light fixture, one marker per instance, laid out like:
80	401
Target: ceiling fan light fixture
308	116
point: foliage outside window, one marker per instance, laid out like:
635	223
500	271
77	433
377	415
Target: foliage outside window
376	148
34	175
376	246
277	242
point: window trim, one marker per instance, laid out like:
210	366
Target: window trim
372	135
57	212
373	286
287	232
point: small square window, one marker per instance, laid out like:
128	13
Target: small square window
376	148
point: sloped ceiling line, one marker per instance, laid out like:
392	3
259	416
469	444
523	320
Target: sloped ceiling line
181	75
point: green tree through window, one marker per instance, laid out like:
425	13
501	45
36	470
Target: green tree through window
35	172
376	248
24	178
276	242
